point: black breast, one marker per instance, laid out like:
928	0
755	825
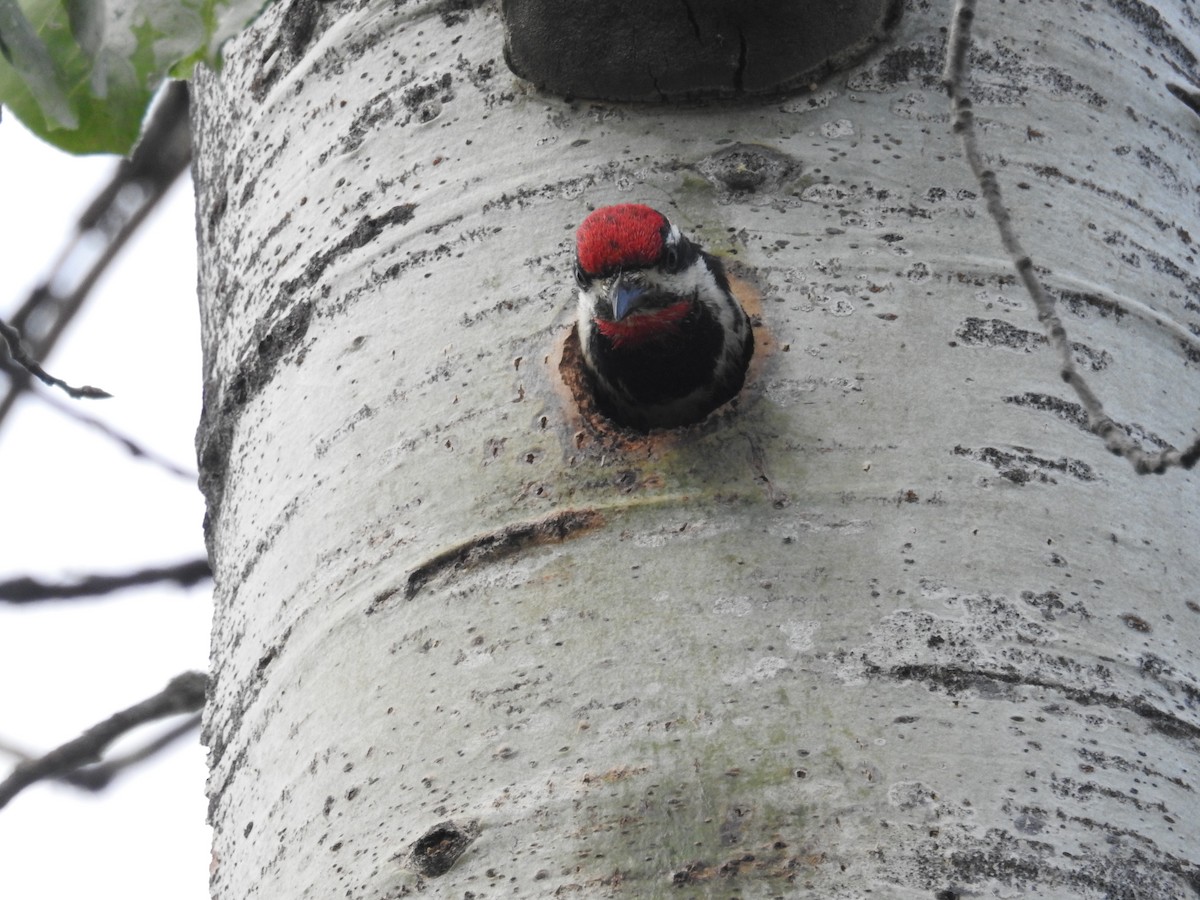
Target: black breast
664	369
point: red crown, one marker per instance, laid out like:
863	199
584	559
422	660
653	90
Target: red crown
628	235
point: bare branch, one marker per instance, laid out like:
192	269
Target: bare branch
135	189
30	590
98	777
1118	441
183	694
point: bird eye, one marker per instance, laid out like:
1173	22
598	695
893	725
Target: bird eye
677	255
581	278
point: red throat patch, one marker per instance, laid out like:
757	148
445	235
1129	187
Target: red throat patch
644	326
626	236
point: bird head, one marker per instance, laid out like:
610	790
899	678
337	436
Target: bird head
638	276
664	341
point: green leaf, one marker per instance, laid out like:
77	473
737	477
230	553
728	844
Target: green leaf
26	55
81	73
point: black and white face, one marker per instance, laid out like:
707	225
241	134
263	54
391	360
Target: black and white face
615	295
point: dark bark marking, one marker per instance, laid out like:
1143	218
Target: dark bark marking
216	212
1074	414
495	545
456	12
367	230
262	357
743	168
424	101
998	333
438	849
1137	623
218	741
297	30
1189	96
1154	28
219	418
1023	467
956	678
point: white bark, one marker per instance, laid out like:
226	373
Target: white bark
897	626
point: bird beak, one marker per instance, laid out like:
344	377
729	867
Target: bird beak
626	297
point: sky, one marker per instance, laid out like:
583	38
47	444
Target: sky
75	503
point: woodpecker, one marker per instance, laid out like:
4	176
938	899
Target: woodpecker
664	340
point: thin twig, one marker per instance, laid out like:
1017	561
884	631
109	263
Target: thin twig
30	590
184	694
12	338
134	448
954	77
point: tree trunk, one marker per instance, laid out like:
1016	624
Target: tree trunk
894	624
